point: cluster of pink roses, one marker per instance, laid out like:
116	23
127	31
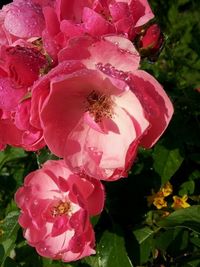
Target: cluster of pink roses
69	80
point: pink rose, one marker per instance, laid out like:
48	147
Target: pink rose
20	67
97	109
68	19
112	16
55	208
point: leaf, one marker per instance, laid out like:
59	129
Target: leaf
144	237
11	153
10	263
195	241
143	234
189	218
192	263
43	155
9	227
94	220
172	240
110	252
166	162
187	188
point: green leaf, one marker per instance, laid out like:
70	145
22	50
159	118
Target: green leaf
10	263
43	155
172	240
144	237
195	240
9	228
187	188
166	162
189	218
110	252
192	263
94	220
11	153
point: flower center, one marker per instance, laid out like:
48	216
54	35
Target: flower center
60	209
99	106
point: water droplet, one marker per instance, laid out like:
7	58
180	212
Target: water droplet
110	70
35	202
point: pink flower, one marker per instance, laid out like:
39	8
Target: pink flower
20	67
55	208
114	16
97	109
68	19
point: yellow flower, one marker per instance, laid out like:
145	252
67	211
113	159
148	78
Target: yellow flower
180	202
159	202
167	189
157	199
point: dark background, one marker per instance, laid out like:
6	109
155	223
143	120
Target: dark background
3	2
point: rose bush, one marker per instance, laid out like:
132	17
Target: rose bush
96	108
55	208
70	79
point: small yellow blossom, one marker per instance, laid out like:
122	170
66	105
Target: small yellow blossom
150	198
180	202
159	202
157	199
167	189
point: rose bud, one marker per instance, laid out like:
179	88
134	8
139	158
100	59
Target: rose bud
151	42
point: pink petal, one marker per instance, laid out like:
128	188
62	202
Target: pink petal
96	198
119	10
114	50
51	246
60	225
95	24
70	29
157	105
10	95
52	22
42	185
9	133
24	19
71	10
141	12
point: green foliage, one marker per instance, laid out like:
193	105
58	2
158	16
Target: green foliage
189	218
9	228
130	232
166	162
110	251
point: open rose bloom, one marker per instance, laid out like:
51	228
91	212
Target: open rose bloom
55	208
98	107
